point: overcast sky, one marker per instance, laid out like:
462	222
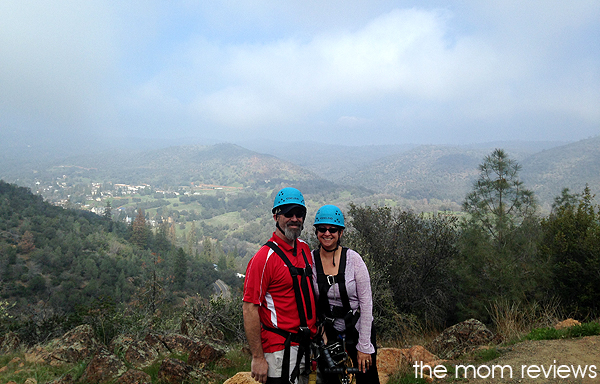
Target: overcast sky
348	72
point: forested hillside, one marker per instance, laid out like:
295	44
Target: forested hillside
223	164
425	172
54	261
570	166
448	172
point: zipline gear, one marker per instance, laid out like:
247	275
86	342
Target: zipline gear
287	196
324	283
329	214
302	280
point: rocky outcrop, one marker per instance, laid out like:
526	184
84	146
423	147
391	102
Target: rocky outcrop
134	376
241	378
176	371
204	353
124	359
78	344
461	338
138	353
104	367
566	324
392	360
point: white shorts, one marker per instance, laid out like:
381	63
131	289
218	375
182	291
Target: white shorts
275	360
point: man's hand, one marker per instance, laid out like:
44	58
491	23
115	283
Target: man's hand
259	369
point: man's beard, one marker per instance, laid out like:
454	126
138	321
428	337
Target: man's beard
293	233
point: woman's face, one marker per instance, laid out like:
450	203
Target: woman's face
326	237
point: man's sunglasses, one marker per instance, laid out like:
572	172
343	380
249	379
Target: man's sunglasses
298	212
331	230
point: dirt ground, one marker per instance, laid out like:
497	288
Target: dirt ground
543	358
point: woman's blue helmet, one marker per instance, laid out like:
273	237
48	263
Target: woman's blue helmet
330	214
287	196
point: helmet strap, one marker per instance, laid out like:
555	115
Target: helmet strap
331	251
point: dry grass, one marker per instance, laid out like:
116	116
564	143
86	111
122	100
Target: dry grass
512	320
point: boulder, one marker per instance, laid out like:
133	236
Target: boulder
138	353
134	376
241	378
567	323
391	360
104	367
180	343
78	344
461	338
204	353
155	341
175	371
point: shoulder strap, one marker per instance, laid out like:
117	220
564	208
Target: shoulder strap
301	289
325	282
342	281
305	275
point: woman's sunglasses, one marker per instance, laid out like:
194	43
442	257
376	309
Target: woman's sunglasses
331	230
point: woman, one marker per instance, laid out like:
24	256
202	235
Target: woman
343	291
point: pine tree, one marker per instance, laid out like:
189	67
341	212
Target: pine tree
140	231
499	201
192	240
180	269
207	251
108	211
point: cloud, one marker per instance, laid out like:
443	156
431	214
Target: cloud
56	57
401	70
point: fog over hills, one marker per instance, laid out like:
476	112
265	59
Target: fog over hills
425	172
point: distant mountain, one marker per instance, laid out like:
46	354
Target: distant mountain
448	172
444	173
221	164
425	172
329	161
569	166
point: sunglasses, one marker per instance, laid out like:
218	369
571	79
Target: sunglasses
298	212
331	230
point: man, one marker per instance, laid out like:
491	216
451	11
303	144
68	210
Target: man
279	307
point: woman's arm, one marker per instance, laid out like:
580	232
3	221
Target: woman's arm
365	301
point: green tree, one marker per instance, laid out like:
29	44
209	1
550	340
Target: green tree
180	269
139	230
108	211
413	253
571	244
499	201
192	240
208	251
498	242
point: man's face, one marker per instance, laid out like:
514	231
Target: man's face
291	224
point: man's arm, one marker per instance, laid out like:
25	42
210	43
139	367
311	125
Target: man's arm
260	366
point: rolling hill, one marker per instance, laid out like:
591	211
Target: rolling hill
222	164
569	166
448	172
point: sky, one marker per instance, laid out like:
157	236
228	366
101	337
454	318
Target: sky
336	72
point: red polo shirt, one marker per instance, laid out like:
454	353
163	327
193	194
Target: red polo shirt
269	284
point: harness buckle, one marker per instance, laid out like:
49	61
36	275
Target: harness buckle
330	279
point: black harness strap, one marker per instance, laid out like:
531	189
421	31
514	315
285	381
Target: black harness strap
302	279
325	282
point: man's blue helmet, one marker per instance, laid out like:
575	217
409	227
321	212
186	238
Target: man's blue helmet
288	196
330	214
